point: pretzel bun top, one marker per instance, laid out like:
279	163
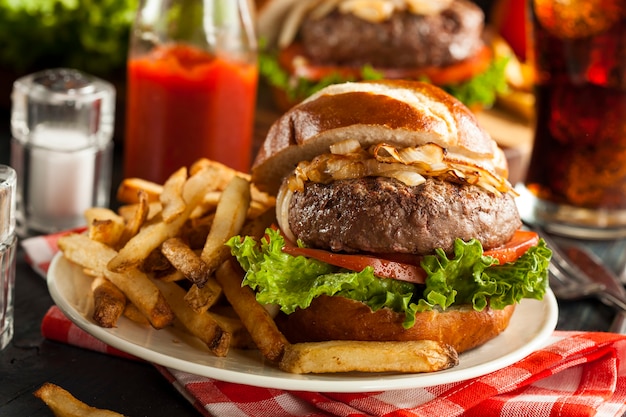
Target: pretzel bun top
396	112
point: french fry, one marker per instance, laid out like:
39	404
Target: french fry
346	356
132	313
226	173
140	215
270	341
101	213
173	276
207	205
256	227
260	201
171	197
127	211
156	263
156	232
183	258
136	285
89	254
230	216
104	225
109	302
203	326
64	404
201	299
240	337
127	190
140	290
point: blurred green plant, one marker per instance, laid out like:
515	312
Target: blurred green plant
90	35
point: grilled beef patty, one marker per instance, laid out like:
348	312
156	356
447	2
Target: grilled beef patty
405	40
383	215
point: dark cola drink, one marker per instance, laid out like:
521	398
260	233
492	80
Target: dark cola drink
577	172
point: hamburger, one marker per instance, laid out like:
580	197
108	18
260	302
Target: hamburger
394	221
310	44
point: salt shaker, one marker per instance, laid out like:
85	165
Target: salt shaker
62	123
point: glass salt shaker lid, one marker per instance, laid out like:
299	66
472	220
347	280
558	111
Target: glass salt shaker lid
64	99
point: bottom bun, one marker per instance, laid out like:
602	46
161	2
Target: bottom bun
338	318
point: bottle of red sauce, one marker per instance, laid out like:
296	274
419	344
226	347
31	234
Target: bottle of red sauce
192	80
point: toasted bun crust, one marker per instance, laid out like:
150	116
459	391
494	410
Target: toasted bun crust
338	318
397	112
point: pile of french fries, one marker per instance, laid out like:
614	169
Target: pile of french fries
161	260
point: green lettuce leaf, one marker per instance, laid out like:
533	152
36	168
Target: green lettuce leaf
483	88
491	284
297	89
480	90
292	282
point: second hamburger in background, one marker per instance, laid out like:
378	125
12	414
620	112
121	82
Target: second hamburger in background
314	43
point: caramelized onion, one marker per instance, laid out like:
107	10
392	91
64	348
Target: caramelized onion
345	147
282	211
410	178
408	165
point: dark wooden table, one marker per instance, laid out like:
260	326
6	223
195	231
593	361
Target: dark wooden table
129	387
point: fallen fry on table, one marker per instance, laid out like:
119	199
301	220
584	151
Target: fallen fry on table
64	404
135	284
127	190
109	302
346	356
261	326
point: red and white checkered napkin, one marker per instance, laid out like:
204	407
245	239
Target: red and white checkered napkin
581	374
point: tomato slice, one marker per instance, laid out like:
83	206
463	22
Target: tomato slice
382	267
405	271
521	241
292	58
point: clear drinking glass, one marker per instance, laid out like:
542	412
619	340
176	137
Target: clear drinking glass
8	244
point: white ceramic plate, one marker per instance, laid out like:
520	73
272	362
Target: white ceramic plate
529	329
